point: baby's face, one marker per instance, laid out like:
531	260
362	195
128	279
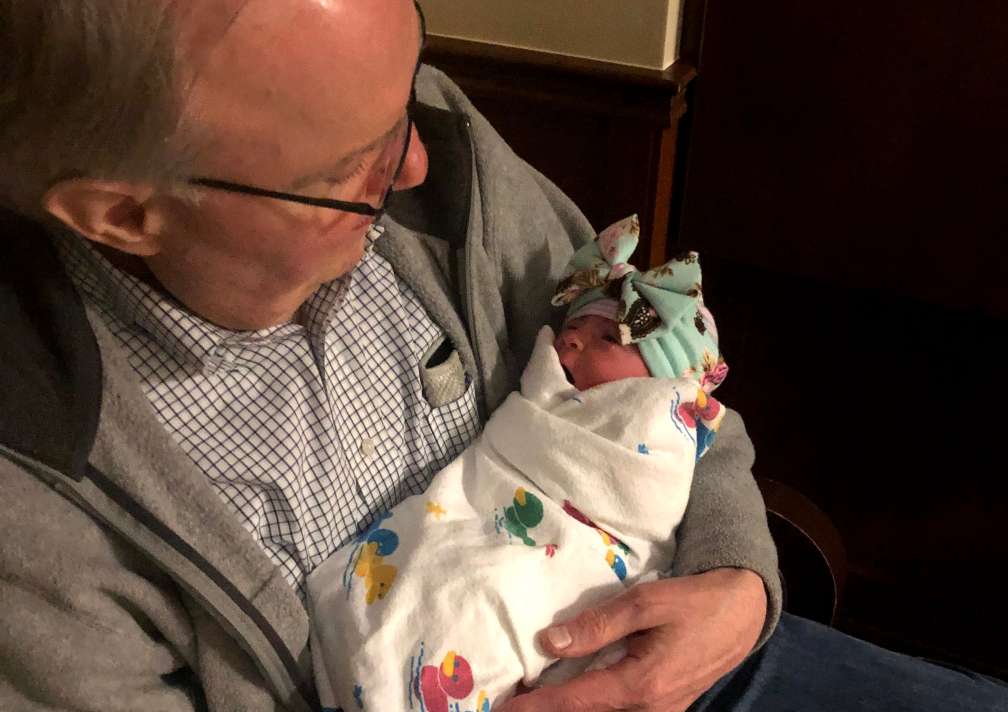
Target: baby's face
591	353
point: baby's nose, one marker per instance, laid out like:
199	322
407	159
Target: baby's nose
571	341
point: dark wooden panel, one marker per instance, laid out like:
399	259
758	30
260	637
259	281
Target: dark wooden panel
605	133
865	403
847	184
861	143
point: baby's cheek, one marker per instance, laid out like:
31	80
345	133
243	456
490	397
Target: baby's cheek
631	364
618	364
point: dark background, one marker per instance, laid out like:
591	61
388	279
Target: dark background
842	169
846	181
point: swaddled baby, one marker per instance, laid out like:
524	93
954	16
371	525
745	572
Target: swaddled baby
572	492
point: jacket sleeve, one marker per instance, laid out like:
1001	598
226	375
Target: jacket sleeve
88	624
725	523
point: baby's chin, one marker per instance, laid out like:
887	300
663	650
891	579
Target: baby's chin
568	375
578	383
583	385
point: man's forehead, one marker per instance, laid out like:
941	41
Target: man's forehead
201	25
281	36
205	25
338	68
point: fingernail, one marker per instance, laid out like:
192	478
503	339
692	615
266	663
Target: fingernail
558	636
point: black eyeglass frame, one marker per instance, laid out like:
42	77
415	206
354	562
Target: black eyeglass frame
331	203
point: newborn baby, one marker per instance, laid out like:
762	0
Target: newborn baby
573	492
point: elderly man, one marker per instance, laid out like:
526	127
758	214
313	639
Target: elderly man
212	381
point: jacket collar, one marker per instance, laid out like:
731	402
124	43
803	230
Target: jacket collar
50	379
440	205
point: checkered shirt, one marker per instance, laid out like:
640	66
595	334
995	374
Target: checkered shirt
309	429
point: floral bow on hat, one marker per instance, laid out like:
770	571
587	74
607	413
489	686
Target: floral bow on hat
650	303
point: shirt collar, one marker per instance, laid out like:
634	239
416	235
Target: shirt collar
167	321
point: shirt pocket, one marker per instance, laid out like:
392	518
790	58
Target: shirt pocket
442	375
453	419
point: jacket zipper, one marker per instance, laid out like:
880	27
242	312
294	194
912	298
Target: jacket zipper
468	285
58	481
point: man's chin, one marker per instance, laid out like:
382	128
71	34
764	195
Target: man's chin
350	253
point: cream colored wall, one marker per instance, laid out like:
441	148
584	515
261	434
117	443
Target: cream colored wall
672	23
637	32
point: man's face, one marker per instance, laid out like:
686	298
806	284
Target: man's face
591	353
298	96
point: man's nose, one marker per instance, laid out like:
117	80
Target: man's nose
414	169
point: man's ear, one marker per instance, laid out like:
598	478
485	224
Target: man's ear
112	213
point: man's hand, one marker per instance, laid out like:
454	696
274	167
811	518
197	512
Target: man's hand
683	635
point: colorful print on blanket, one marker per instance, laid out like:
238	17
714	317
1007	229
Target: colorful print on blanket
702	416
612	559
367	561
445	687
525	512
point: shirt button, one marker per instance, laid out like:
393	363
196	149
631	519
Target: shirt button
367	449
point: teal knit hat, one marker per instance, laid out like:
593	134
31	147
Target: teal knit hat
660	310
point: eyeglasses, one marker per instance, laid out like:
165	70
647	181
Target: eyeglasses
384	169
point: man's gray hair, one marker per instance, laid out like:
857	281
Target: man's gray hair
86	89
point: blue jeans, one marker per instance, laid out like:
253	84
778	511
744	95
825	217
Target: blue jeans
807	667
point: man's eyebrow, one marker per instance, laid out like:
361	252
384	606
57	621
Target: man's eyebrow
347	161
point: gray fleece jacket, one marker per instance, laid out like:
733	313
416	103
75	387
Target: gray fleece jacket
127	584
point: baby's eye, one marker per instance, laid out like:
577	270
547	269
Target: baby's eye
611	339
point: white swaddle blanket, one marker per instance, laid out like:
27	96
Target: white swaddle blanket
567	497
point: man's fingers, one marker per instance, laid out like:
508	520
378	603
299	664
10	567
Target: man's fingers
639	608
594	691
